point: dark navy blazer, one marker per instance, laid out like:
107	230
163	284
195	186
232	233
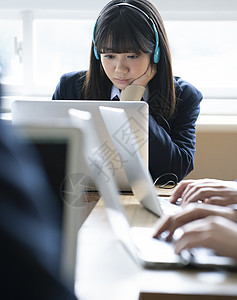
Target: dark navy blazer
172	142
30	230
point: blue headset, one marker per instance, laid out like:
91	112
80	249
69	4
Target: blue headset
157	48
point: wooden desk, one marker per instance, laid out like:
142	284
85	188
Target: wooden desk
105	270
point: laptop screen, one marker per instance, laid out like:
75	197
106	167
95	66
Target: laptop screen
53	156
58	149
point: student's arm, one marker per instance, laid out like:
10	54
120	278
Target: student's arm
210	191
172	147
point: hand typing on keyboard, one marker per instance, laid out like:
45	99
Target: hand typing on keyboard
209	191
209	226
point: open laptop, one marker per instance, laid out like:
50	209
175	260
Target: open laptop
59	149
55	112
138	176
145	250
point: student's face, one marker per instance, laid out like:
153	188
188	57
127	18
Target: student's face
123	68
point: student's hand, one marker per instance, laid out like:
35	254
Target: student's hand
217	233
209	191
189	214
146	77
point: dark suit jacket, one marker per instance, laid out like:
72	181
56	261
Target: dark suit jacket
29	226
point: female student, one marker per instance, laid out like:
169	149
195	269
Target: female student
130	60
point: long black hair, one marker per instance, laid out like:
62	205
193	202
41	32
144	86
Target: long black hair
121	29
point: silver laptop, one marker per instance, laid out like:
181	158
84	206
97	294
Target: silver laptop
55	112
138	176
58	149
145	250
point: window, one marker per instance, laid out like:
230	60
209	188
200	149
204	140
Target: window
203	52
60	46
11	51
37	51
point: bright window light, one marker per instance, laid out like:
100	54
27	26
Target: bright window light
204	53
11	52
60	46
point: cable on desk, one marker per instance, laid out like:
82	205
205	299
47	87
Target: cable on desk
166	181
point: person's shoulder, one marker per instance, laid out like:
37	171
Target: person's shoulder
70	86
74	76
185	90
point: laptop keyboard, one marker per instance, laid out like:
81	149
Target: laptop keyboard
153	250
167	207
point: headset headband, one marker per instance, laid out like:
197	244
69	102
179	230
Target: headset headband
157	47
